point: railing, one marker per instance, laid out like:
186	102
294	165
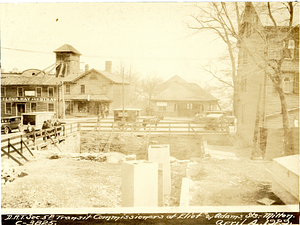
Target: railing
19	143
157	128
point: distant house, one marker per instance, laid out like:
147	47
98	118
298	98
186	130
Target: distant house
257	96
178	98
93	90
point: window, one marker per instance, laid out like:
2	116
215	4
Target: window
50	107
296	83
162	108
33	107
68	87
289	49
8	107
20	92
82	89
50	92
286	85
3	91
82	107
38	92
104	89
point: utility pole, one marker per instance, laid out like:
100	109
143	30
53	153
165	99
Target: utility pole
63	100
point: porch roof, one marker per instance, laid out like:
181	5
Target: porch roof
86	97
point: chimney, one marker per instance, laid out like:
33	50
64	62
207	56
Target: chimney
86	68
108	66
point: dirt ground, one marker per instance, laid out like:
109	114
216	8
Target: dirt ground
70	180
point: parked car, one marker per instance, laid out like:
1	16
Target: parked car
198	118
11	123
215	122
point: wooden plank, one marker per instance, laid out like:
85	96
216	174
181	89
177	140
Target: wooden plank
27	147
10	156
185	189
54	143
19	152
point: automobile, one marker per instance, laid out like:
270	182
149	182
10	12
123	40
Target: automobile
198	118
216	122
227	118
36	119
130	117
11	123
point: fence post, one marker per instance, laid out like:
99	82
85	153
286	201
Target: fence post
71	128
21	143
34	138
78	126
189	128
8	147
169	129
64	130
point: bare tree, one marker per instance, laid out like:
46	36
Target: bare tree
148	86
133	77
216	18
225	20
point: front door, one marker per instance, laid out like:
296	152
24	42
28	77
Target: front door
20	109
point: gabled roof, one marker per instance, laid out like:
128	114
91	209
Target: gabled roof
279	12
174	79
184	92
67	48
112	77
26	80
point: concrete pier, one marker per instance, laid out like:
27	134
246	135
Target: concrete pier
139	184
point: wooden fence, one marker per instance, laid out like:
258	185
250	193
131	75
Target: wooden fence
20	143
161	127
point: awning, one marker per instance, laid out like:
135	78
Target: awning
88	97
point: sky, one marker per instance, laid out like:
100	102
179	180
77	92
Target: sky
152	37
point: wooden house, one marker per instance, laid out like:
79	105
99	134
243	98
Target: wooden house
259	103
30	91
178	98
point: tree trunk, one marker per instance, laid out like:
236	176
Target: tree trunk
288	138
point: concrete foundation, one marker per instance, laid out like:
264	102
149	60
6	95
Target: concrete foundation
161	154
139	184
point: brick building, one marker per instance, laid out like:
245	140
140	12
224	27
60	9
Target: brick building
178	98
257	96
67	92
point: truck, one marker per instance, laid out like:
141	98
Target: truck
36	119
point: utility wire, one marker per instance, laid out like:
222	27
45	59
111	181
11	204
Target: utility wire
105	57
